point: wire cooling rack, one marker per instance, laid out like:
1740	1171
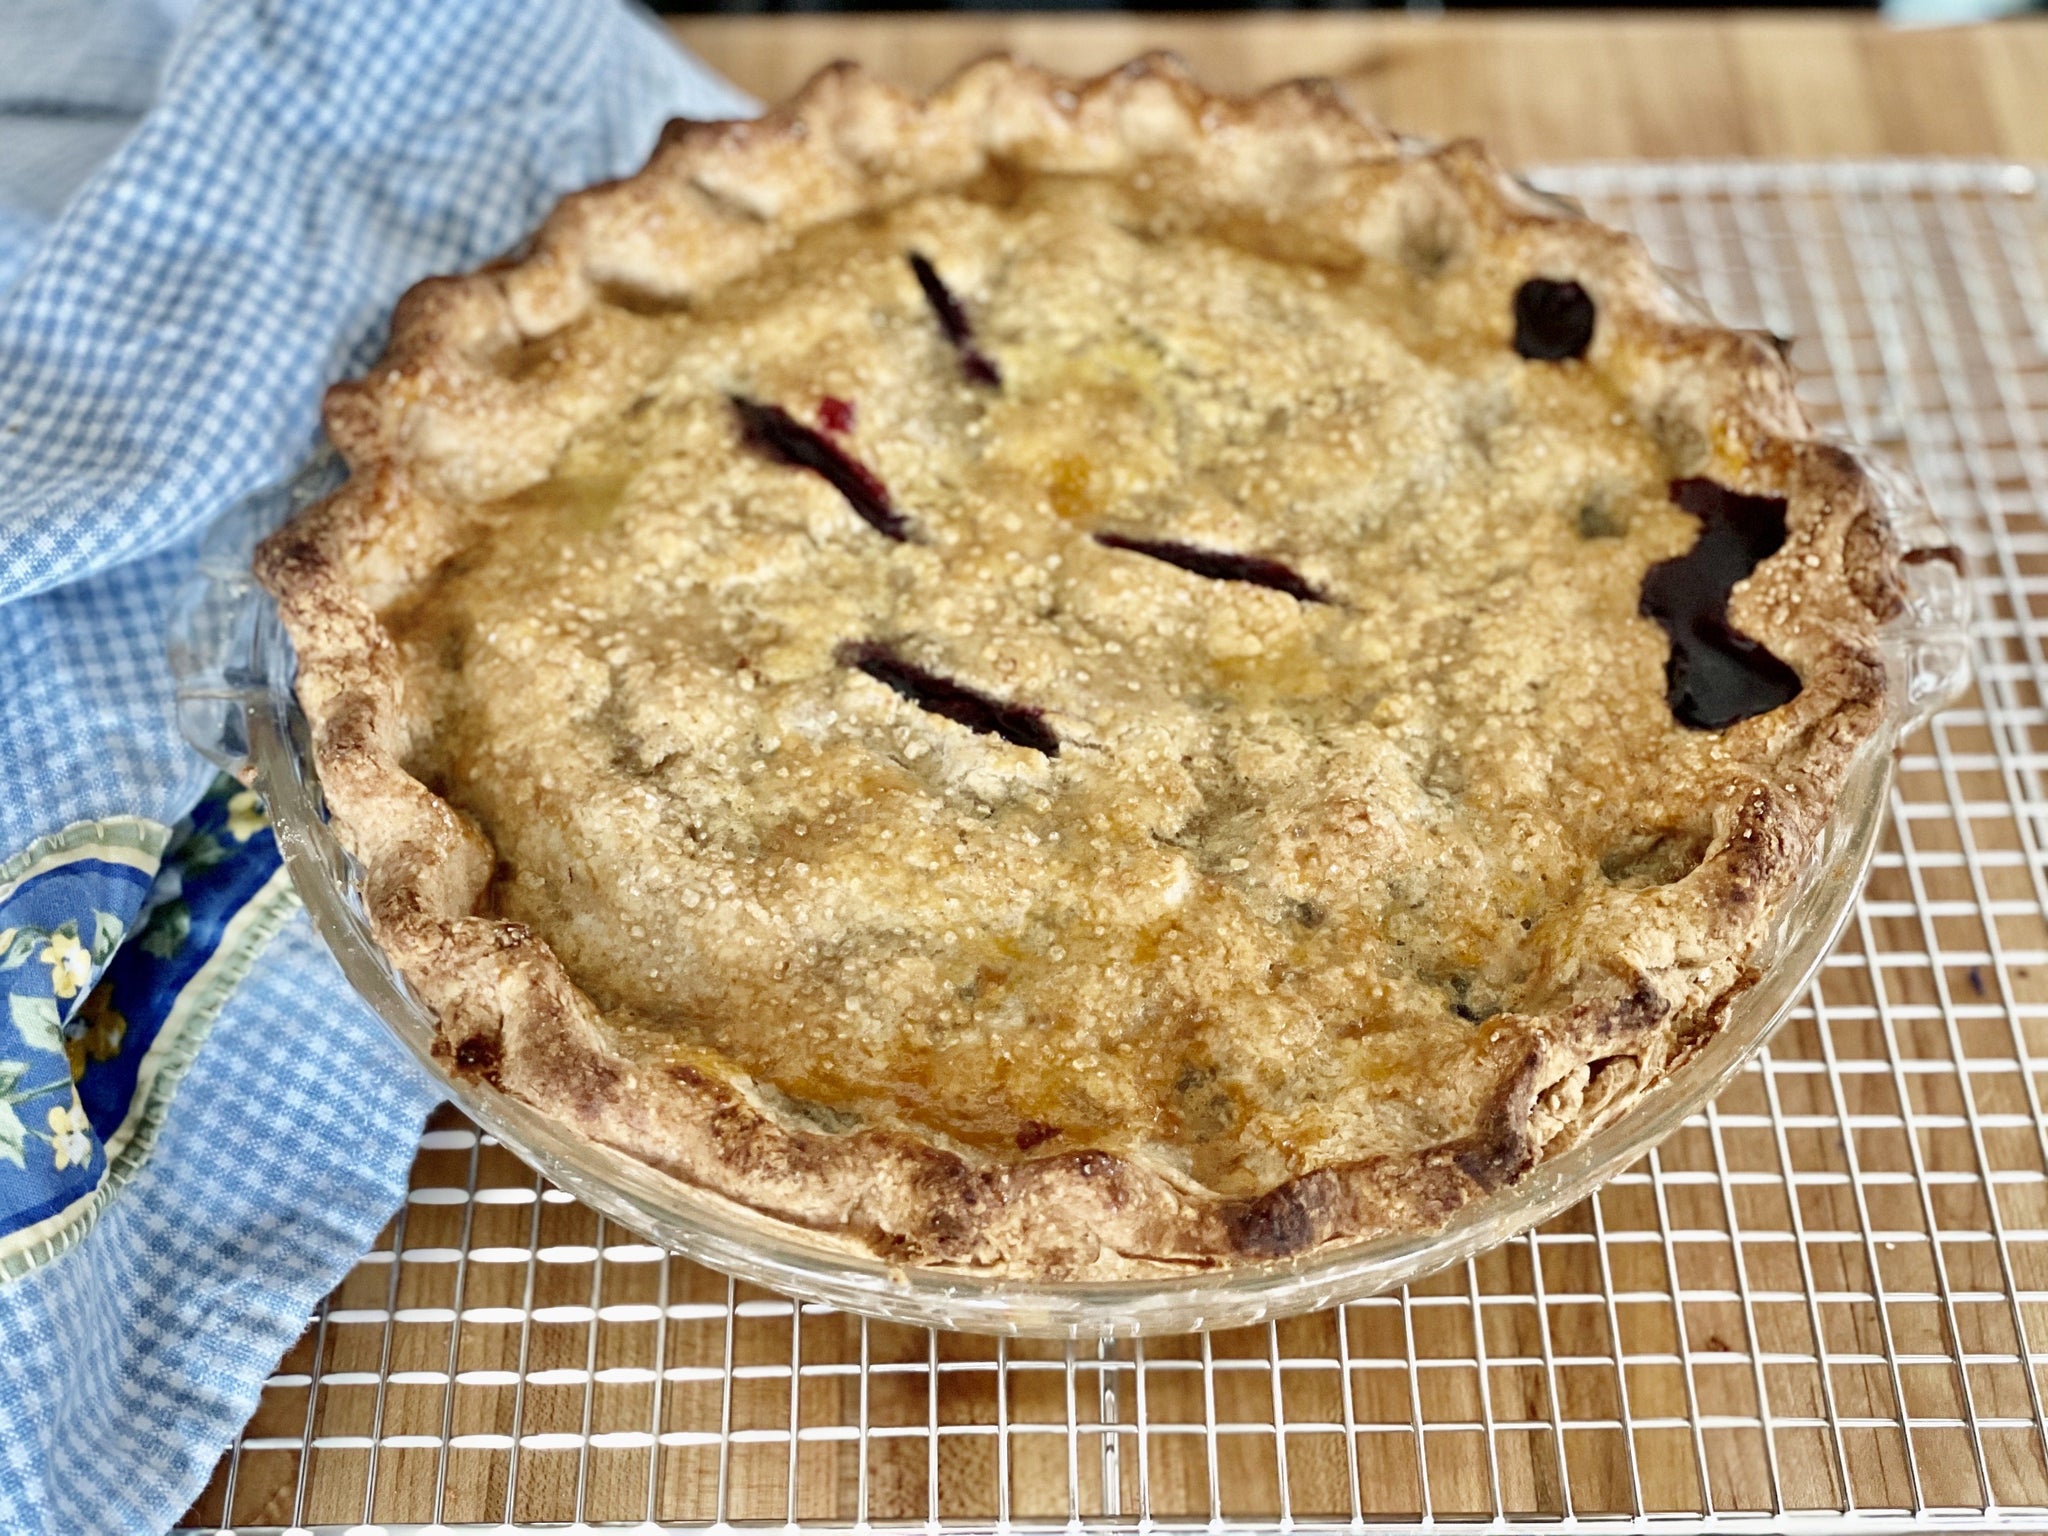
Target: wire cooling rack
1821	1305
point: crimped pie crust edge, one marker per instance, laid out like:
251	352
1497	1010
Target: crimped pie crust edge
441	421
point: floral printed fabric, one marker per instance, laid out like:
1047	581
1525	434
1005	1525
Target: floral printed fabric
96	1034
62	917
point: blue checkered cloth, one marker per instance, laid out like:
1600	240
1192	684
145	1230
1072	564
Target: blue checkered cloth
206	212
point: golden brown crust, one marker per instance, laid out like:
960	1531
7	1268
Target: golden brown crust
451	418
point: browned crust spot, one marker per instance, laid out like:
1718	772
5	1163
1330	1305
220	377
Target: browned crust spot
443	421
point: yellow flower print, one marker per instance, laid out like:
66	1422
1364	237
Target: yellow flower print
105	1029
70	1135
245	816
70	963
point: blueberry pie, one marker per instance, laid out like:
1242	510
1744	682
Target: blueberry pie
1078	679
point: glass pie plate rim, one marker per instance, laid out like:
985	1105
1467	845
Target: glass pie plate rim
233	667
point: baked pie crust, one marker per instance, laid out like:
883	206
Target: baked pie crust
1076	679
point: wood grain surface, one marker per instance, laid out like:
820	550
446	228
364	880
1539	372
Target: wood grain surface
1574	87
1567	1337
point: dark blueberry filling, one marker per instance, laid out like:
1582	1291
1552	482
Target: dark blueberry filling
1553	320
1716	675
1016	723
953	321
788	441
1218	565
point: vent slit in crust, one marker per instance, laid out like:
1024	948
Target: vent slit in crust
1217	564
953	321
1553	320
1018	724
786	440
1716	675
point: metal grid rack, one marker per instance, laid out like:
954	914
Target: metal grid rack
1821	1305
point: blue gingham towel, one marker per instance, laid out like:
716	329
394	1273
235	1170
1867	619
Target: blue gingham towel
207	208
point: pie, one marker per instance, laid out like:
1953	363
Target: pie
1079	679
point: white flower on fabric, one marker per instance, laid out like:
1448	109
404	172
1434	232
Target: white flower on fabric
70	1135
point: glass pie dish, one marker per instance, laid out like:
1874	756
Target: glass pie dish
234	669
